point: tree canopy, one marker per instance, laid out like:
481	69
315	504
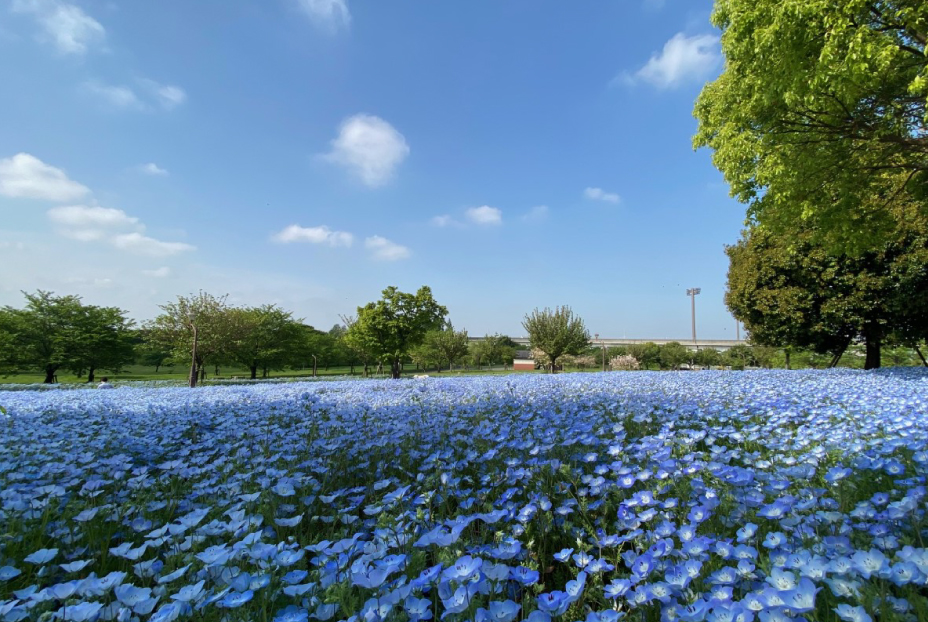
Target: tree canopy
55	332
198	328
556	332
390	327
820	114
789	291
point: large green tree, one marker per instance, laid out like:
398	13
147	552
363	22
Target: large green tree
790	292
555	332
390	327
819	116
197	328
45	334
264	337
103	339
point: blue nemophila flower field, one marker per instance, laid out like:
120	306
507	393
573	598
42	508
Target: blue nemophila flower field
727	497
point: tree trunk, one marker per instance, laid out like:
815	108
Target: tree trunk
787	359
352	369
264	371
90	374
215	370
395	369
553	365
202	373
194	374
314	366
873	350
254	370
157	367
367	370
920	355
50	374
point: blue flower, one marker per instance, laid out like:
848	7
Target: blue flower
292	613
233	600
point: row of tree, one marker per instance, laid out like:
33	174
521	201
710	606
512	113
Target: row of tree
59	333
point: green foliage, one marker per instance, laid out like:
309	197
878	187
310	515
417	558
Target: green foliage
492	349
103	340
59	332
708	357
556	332
673	354
647	354
389	328
819	117
441	346
262	337
789	291
203	316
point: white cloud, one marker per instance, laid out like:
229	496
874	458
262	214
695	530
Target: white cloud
331	14
369	147
67	26
168	96
484	215
154	95
91	215
88	223
598	194
25	176
158	273
383	249
144	245
536	214
116	96
445	221
683	59
314	235
152	169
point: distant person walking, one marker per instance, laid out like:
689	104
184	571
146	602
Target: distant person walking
105	384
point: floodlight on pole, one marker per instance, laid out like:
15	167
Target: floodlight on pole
692	292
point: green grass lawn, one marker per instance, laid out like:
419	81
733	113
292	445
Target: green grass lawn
147	373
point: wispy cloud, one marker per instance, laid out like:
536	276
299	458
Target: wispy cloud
152	169
93	223
314	235
383	249
144	245
114	95
445	220
332	15
64	25
683	59
150	96
167	96
158	273
484	215
370	148
598	194
25	176
536	214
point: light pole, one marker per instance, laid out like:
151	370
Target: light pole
692	294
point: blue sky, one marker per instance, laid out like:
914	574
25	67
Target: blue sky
509	154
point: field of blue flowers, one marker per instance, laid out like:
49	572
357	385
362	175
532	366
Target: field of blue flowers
720	496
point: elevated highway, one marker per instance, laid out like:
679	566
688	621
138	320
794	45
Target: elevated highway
716	344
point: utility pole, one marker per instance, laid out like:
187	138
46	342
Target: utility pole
692	294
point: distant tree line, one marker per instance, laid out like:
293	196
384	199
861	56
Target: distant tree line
205	333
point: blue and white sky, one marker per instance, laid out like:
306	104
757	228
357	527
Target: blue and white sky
509	154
